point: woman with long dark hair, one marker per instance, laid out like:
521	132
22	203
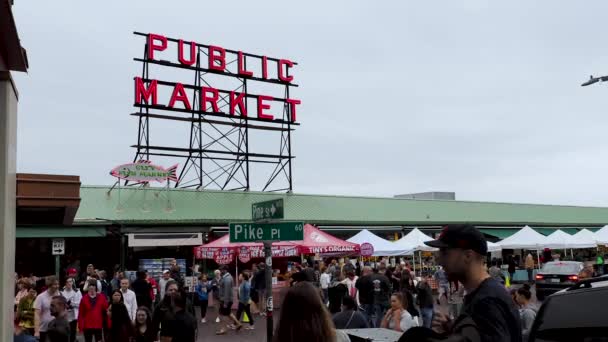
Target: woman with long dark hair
143	325
120	327
304	318
397	317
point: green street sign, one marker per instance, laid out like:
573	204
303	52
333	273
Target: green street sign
269	210
256	232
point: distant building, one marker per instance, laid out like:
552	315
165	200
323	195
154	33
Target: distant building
433	195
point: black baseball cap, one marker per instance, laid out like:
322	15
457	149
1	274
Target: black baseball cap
461	236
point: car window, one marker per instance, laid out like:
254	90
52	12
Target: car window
561	268
576	316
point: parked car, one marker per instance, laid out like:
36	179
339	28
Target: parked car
555	276
578	313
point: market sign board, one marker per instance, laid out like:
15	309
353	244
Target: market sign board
256	232
269	210
367	249
143	171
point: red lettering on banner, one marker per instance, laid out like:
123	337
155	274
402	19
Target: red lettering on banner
292	104
213	57
265	67
152	47
179	94
180	53
238	100
262	106
284	65
146	93
241	63
213	99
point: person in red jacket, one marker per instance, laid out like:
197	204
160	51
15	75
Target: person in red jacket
92	314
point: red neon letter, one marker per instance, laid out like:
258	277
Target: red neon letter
264	67
262	106
221	58
179	94
212	99
288	64
151	46
237	100
146	93
180	53
241	64
292	104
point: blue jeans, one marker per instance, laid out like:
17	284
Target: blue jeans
427	317
368	310
379	311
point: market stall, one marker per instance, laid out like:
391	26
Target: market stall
587	236
315	242
601	236
381	247
414	242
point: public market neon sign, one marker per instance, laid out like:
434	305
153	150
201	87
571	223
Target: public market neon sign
215	62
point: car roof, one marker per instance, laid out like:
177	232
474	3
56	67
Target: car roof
599	283
564	262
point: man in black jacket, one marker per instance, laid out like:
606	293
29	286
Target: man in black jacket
365	287
489	314
382	295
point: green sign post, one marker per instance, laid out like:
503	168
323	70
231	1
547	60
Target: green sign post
256	232
271	230
269	210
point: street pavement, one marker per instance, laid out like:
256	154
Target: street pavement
206	331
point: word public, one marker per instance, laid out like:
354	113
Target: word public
147	90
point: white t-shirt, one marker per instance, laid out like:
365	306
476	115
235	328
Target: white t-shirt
341	336
130	303
43	303
325	280
406	321
73	297
86	285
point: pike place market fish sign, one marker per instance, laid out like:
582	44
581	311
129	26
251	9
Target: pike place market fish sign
144	171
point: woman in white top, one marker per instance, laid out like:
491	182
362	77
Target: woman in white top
72	296
397	318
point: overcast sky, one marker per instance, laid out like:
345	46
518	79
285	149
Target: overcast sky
478	97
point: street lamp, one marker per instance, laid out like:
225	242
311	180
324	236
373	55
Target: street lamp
593	80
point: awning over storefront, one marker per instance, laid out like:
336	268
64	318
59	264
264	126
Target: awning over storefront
60	232
165	239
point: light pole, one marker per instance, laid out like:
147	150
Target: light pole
593	80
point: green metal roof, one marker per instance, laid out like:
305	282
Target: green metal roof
178	206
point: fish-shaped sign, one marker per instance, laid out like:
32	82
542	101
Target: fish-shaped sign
144	171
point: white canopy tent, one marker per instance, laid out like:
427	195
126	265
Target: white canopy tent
493	247
414	242
525	238
560	240
382	247
601	236
586	236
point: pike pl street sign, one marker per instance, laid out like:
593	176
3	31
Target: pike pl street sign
256	232
269	210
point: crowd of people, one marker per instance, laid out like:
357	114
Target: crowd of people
113	311
322	299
